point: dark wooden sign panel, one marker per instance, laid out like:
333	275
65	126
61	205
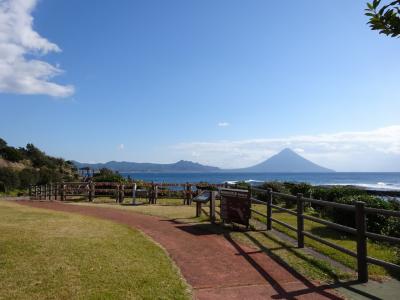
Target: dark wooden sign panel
235	206
204	197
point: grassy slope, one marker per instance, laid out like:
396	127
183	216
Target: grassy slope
53	255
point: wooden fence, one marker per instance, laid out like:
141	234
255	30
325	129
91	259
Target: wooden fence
360	232
90	190
153	191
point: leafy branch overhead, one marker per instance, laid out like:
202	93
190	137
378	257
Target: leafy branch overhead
384	18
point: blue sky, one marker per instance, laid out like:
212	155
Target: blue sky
227	83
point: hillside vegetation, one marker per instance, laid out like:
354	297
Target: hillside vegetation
20	167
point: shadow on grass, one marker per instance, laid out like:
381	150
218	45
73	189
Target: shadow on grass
282	293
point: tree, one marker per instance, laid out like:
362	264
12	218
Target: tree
11	154
107	175
385	18
3	143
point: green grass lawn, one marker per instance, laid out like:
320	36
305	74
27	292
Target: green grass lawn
55	255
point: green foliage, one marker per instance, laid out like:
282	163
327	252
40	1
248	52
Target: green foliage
107	175
341	194
28	176
9	178
375	223
37	168
385	18
278	187
242	185
11	154
332	193
299	188
3	143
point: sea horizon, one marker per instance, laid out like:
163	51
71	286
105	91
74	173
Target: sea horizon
384	181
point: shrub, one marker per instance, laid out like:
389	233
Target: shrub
107	175
27	177
301	187
9	178
11	154
375	222
335	192
278	187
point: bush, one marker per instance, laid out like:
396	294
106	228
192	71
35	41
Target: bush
335	192
11	154
107	175
9	178
27	177
278	187
375	222
302	188
2	187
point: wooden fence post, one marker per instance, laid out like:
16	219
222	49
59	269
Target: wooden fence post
91	191
134	187
121	193
198	209
56	191
362	264
187	193
50	191
45	192
269	209
212	206
117	193
63	192
300	221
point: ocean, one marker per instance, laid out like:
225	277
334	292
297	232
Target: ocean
375	181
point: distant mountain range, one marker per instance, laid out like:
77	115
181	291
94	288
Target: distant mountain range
286	161
126	167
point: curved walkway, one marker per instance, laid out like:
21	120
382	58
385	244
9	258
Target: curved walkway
216	266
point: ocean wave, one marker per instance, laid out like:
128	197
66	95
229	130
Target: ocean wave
381	186
250	181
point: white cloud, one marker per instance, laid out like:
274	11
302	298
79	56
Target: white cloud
18	73
121	147
223	124
374	150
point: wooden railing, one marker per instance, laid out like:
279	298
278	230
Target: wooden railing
360	232
119	191
152	191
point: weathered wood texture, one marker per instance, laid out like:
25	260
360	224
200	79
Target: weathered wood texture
360	232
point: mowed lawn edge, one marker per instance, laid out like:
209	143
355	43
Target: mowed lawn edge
46	254
315	268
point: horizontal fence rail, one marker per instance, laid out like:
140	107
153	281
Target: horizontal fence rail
360	232
90	190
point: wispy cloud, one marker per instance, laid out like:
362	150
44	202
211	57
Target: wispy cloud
121	147
223	124
18	73
377	149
